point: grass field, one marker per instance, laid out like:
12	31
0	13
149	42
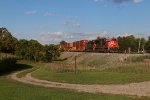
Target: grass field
133	69
11	90
92	77
17	91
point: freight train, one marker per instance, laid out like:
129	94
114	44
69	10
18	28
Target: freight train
100	45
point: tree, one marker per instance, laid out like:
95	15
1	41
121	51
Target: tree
140	44
21	49
52	52
63	42
30	50
147	45
126	43
7	41
35	49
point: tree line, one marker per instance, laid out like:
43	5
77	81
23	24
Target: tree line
131	44
27	49
33	50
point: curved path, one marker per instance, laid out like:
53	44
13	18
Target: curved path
138	89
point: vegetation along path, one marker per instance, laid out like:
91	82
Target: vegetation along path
138	89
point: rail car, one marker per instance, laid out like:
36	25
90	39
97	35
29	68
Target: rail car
101	45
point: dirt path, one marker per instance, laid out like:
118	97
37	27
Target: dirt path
138	89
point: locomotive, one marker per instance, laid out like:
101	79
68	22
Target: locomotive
100	45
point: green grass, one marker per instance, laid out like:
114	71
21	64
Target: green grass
30	67
91	77
11	90
115	74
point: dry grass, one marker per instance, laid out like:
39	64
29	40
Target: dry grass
65	67
7	61
4	56
98	61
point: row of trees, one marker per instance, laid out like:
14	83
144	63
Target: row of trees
132	44
27	49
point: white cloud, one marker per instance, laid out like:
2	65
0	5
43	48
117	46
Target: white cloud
73	24
120	1
137	1
56	37
47	14
32	12
125	35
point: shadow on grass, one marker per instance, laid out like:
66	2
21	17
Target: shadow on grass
17	67
61	59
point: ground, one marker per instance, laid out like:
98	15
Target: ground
79	90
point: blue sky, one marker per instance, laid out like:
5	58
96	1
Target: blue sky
50	21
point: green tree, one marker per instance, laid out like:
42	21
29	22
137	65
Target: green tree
63	42
34	50
52	52
22	49
127	42
7	41
30	50
147	45
100	38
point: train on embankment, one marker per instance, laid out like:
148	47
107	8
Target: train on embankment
99	45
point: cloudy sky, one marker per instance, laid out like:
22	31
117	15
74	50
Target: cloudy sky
50	21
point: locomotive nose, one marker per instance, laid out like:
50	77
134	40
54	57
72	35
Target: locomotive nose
113	44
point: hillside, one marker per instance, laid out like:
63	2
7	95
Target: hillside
102	60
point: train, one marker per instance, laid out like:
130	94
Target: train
99	45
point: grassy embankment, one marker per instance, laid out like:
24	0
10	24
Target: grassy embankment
11	90
101	69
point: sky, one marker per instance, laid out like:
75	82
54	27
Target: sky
50	21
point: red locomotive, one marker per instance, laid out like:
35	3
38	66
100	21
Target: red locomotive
100	45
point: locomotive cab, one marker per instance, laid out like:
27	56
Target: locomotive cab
112	45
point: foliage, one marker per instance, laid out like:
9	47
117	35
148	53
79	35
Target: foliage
148	45
131	44
63	42
33	50
51	52
30	50
27	49
7	41
100	38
